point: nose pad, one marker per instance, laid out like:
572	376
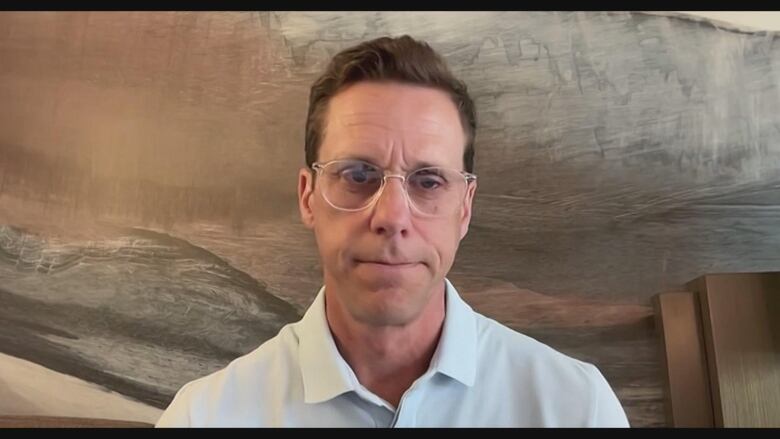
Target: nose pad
388	217
403	190
402	182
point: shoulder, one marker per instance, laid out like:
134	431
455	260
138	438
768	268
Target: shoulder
522	350
516	358
560	383
235	385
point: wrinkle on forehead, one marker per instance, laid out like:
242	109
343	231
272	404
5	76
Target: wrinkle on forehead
394	125
377	119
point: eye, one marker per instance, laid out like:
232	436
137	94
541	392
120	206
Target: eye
359	174
428	179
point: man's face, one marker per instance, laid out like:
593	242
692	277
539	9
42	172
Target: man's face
383	264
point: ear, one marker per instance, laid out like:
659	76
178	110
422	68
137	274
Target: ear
305	193
465	218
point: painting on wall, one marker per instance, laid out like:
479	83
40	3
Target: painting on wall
149	231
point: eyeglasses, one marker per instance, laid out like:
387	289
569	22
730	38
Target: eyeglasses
354	185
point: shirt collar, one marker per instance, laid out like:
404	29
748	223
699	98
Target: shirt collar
326	374
456	355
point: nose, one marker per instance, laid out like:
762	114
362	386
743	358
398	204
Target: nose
391	214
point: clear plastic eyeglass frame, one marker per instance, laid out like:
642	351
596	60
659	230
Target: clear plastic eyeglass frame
319	168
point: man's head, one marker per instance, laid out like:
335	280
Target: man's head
401	59
393	105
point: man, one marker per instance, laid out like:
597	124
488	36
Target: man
388	342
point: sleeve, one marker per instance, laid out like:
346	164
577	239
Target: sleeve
177	415
607	410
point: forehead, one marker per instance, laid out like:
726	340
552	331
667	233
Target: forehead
387	120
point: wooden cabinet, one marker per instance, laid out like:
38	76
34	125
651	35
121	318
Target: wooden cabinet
721	351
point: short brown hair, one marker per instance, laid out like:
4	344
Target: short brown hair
401	59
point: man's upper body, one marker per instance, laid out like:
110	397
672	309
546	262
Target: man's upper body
482	374
388	191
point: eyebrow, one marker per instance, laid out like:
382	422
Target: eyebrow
417	165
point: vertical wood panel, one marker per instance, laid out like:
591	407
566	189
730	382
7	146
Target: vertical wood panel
742	336
689	402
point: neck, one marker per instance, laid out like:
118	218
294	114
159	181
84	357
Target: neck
388	359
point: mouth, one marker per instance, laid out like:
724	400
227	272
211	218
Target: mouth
388	264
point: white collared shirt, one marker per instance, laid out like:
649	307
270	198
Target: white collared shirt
482	374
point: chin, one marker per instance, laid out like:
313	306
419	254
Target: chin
393	305
379	278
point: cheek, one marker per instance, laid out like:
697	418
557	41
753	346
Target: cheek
329	238
334	234
442	237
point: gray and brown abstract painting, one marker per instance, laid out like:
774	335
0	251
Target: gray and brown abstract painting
149	231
